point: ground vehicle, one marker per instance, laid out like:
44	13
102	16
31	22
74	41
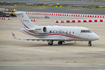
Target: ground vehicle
13	10
2	14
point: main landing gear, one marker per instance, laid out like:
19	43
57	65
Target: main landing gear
59	42
50	43
89	43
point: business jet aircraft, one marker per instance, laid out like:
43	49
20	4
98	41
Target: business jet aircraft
53	32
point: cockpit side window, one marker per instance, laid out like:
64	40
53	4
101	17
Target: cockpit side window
86	31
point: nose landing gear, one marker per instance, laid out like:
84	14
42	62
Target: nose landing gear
89	43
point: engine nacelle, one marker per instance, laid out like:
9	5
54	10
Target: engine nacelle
38	29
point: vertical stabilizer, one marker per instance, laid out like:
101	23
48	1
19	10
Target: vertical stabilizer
24	20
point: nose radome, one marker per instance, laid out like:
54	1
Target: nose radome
96	37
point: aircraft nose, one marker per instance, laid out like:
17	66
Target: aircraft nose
96	37
93	36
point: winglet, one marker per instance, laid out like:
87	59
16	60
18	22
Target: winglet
14	36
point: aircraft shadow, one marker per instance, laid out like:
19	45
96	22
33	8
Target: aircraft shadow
31	44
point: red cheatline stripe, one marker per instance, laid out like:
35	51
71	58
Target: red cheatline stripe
73	35
25	26
40	35
55	34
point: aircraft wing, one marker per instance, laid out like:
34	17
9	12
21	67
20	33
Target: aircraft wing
38	39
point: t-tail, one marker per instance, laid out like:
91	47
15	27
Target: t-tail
24	20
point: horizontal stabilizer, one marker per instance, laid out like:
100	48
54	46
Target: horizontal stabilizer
14	35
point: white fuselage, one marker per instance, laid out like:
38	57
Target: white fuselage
62	32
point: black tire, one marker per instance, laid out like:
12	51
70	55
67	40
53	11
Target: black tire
60	42
50	43
90	44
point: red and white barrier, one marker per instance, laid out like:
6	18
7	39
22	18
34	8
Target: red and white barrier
60	14
33	20
3	18
78	21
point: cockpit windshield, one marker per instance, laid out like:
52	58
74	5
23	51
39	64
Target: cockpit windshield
86	31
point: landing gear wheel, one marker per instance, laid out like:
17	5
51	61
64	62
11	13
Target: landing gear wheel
60	42
90	43
50	43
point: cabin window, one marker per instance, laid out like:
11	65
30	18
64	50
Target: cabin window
86	31
50	31
73	32
69	32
